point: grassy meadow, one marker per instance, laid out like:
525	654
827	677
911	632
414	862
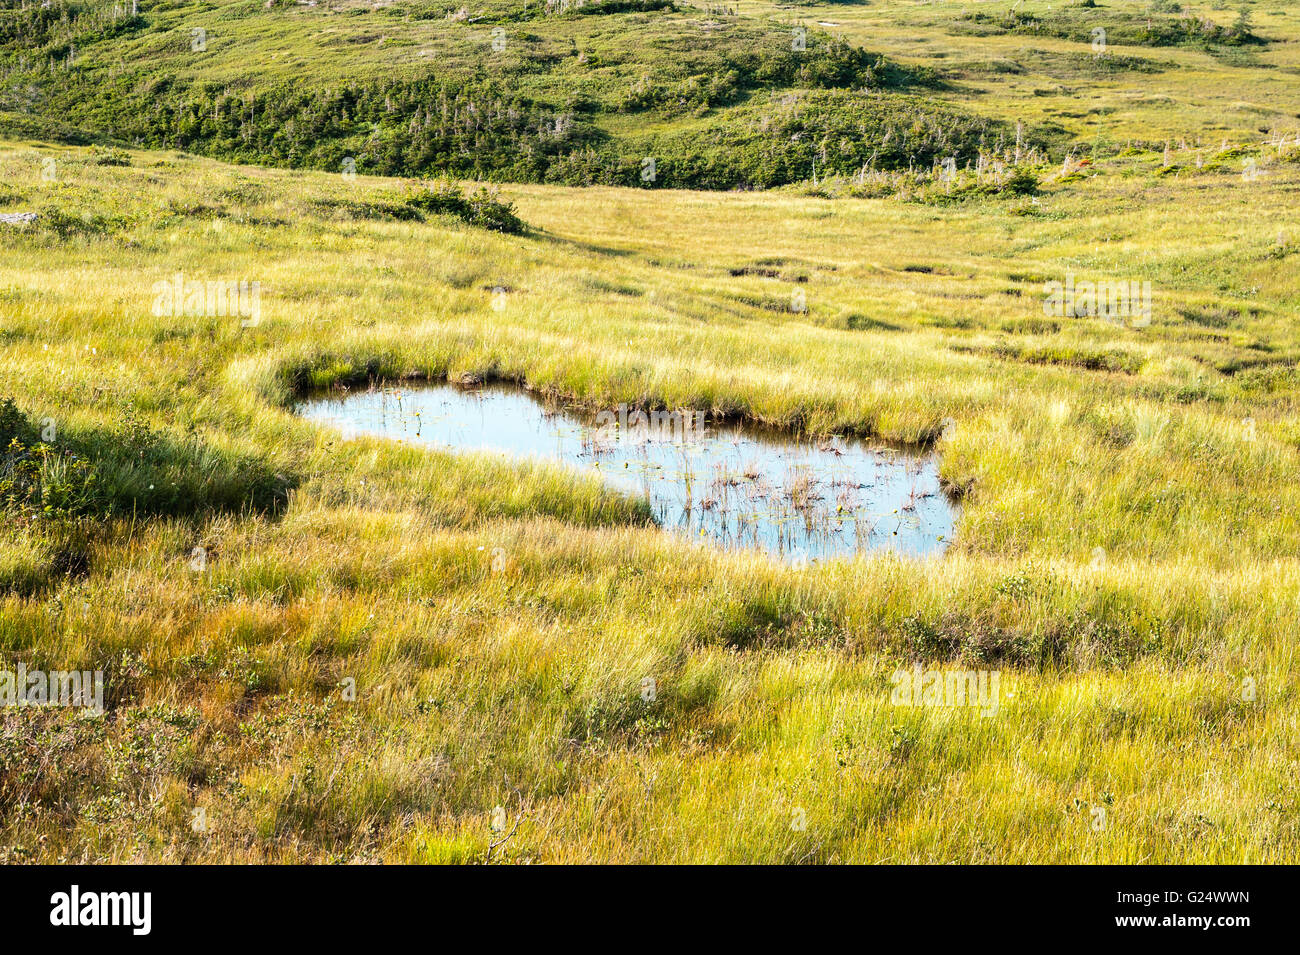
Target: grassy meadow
311	654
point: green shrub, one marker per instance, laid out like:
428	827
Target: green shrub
101	156
64	225
482	208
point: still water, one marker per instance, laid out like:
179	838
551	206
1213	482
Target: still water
738	486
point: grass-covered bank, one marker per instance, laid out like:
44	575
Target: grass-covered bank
524	686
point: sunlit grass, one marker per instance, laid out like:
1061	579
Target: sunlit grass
524	687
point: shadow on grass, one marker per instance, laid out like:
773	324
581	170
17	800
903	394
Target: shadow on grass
65	489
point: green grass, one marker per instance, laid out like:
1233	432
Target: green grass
1174	448
1126	553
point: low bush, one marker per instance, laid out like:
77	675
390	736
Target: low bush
481	208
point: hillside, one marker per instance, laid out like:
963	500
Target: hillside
741	97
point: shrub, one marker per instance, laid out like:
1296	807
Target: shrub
64	225
101	156
482	208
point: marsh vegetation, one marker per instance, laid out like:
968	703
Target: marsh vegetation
354	648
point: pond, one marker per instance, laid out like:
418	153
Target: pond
800	499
